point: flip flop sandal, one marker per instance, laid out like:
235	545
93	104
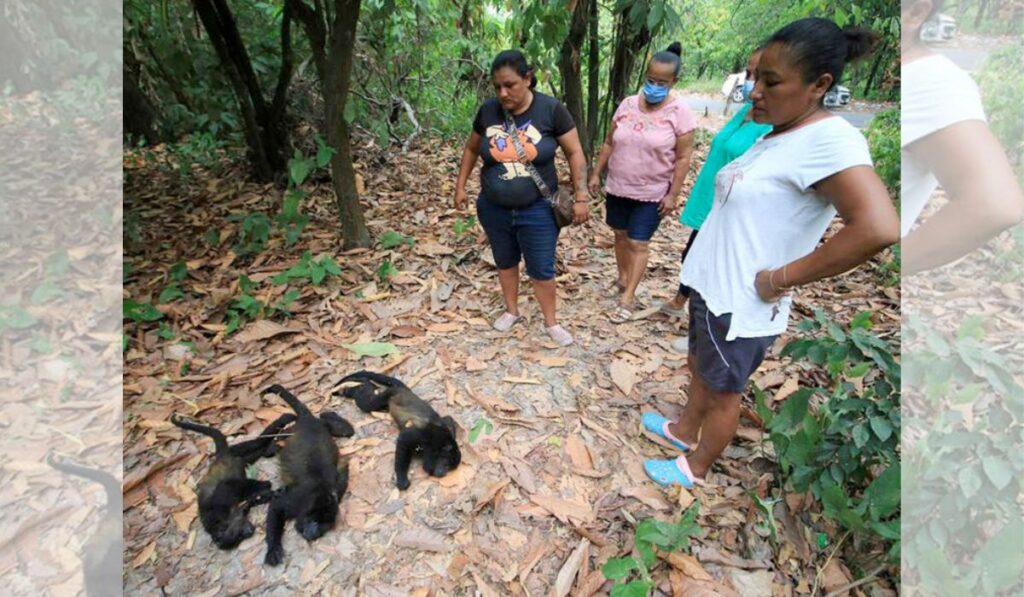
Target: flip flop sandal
559	335
671	472
505	322
664	308
658	425
620	315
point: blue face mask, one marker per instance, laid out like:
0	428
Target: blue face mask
748	87
655	94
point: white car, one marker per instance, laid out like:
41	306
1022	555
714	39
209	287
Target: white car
838	96
939	28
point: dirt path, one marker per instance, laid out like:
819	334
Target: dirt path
555	468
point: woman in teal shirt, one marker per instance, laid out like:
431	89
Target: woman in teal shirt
735	138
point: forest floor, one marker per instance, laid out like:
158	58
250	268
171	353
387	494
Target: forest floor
551	484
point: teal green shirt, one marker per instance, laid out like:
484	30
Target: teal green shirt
735	138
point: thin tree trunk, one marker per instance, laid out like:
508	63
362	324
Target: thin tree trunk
593	78
141	117
332	55
569	65
874	70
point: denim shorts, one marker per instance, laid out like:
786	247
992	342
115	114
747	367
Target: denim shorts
530	233
638	218
724	365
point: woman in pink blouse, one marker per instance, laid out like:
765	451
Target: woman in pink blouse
647	153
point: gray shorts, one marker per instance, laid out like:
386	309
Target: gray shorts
726	366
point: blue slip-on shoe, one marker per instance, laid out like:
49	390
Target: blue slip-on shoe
658	425
671	472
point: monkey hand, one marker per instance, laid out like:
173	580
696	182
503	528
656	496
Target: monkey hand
275	555
402	484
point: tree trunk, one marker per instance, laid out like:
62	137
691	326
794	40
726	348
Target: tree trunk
141	117
332	55
628	43
265	133
569	65
874	71
593	78
981	13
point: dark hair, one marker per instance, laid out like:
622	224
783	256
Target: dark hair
819	46
515	60
670	55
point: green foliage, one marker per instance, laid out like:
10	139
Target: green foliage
883	136
253	234
1002	85
462	226
842	441
140	312
386	271
960	534
483	426
15	318
315	271
392	239
177	275
651	535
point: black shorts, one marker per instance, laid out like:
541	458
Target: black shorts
724	365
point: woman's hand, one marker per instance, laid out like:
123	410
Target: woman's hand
667	206
460	198
594	185
580	210
767	285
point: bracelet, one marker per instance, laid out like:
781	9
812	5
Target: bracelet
583	202
785	277
771	280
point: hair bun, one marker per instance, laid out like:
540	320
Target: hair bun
859	42
675	48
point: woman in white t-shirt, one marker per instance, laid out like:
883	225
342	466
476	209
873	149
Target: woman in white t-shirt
771	208
945	139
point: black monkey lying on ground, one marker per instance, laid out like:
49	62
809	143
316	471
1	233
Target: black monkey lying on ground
225	493
313	481
102	553
421	429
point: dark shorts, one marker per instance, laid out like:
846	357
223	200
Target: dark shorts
684	290
529	233
638	218
726	366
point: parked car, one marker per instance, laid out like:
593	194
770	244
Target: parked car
838	96
939	28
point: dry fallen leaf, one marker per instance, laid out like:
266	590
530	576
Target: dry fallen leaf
791	385
261	330
623	375
563	509
578	453
567	575
647	494
144	555
473	365
423	539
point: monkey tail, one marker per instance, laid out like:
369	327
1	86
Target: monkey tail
110	484
219	441
300	409
378	378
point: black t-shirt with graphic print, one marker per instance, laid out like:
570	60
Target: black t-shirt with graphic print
503	178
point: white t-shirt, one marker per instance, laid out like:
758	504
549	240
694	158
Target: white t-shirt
765	214
935	94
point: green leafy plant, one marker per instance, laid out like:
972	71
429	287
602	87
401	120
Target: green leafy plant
16	318
632	576
483	426
253	235
842	441
883	136
461	226
140	312
386	271
244	308
392	239
316	271
177	275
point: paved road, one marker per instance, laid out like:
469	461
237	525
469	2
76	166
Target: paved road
968	59
715	106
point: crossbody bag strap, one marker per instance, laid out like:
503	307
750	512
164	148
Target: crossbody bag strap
513	133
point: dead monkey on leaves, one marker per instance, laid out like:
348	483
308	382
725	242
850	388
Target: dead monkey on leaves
102	553
313	482
421	429
226	494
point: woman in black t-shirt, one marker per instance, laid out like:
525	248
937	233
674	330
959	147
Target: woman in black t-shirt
517	219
